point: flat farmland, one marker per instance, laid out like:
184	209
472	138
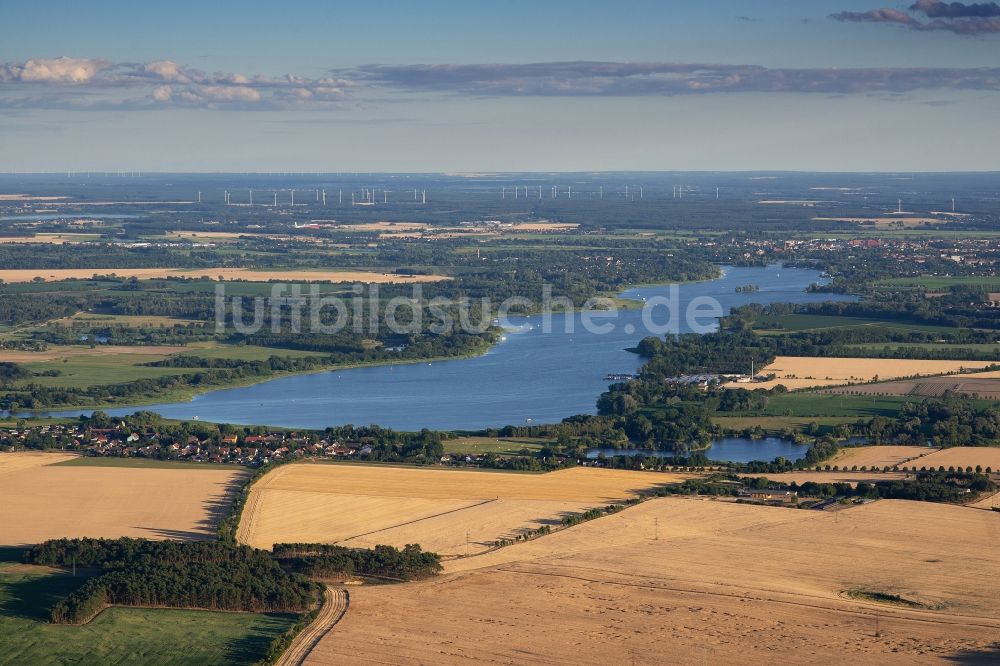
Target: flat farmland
801	372
987	502
82	366
14	462
879	456
60	352
54	274
121	635
51	239
963	456
695	581
448	511
504	445
42	500
775	425
819	322
987	388
131	321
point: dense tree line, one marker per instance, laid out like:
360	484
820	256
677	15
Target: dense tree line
926	486
323	561
953	420
138	572
12	372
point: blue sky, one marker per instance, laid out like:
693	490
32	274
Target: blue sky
453	86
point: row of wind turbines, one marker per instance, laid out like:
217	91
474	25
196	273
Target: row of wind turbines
366	197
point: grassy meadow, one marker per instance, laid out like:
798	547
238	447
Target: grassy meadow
121	635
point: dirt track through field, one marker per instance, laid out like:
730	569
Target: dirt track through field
693	581
336	601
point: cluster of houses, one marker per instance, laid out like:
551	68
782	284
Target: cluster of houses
121	441
969	251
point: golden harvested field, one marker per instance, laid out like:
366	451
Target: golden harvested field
52	239
27	197
800	372
367	505
545	226
41	501
723	583
879	456
55	274
987	502
134	321
963	456
57	352
13	462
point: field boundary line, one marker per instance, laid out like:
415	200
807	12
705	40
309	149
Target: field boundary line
417	520
249	510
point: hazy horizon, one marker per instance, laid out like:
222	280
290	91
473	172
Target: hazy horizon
824	86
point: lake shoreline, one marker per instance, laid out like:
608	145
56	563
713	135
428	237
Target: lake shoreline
541	371
189	394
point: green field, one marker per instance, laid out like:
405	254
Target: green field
816	322
502	445
121	635
140	463
83	371
802	404
936	283
981	348
774	425
247	352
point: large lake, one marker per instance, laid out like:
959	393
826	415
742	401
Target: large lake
730	449
530	377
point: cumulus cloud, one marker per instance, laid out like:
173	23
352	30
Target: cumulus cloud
89	83
660	78
163	93
53	70
166	70
73	83
956	17
228	93
938	9
877	16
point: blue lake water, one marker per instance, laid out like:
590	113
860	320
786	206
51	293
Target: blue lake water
530	377
731	449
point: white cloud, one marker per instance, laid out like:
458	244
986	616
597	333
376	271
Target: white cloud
69	83
167	70
59	70
163	93
228	93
